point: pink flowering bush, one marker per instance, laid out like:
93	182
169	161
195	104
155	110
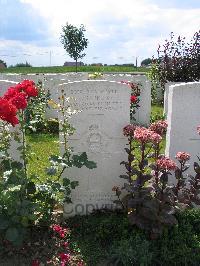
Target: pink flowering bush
166	164
151	202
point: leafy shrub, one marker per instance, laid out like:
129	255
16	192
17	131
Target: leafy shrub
52	126
24	199
109	237
151	201
146	62
36	110
154	76
134	250
178	60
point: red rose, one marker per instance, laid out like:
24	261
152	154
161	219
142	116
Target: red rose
31	91
27	86
133	99
13	120
19	100
8	112
10	93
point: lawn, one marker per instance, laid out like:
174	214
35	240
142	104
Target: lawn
61	69
42	146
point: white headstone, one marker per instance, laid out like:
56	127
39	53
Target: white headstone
51	82
99	133
142	114
166	95
183	119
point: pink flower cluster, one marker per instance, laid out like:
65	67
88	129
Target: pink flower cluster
159	127
152	134
129	130
65	258
145	135
182	156
60	230
166	164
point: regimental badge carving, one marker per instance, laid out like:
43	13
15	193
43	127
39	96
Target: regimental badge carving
94	138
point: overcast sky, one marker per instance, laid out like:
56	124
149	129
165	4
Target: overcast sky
118	30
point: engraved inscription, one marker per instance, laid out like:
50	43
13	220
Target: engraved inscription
97	100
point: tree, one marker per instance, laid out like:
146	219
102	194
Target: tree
23	65
2	62
146	61
74	41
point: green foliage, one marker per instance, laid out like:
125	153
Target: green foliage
74	41
52	126
21	65
156	113
134	250
62	69
108	238
36	109
146	61
154	76
97	232
17	210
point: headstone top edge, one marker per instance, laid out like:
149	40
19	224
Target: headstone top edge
87	80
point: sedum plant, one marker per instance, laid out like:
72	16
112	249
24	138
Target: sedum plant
25	200
151	201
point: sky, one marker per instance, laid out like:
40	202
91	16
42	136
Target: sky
118	30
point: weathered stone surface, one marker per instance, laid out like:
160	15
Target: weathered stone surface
183	118
105	111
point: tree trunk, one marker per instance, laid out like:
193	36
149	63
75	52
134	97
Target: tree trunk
76	65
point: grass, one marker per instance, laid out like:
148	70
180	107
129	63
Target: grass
157	113
62	69
42	146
